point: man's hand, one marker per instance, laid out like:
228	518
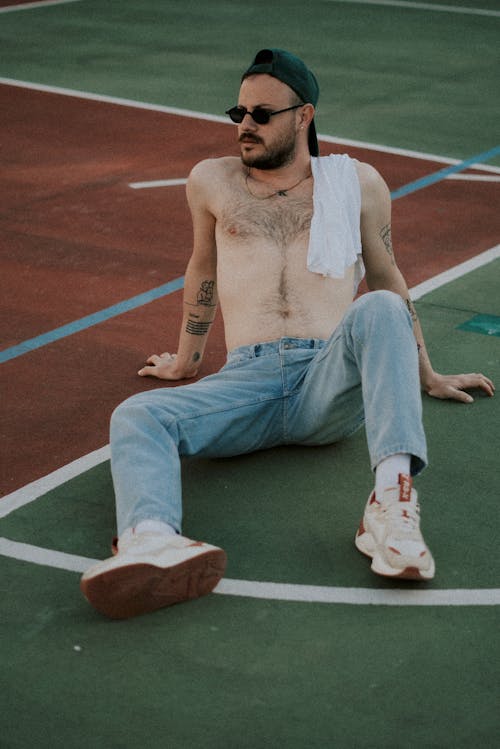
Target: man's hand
165	367
453	386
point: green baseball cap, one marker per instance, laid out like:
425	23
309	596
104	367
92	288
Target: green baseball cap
289	69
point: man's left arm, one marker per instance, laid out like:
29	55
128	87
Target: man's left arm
382	272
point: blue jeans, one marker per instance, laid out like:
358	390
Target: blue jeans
290	391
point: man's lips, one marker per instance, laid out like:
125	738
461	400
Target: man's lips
246	139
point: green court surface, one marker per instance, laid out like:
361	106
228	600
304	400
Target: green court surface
231	672
242	672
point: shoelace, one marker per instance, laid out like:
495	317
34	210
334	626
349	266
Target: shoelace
405	518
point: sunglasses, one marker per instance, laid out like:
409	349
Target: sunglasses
259	115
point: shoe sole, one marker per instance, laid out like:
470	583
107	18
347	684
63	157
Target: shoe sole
135	589
365	543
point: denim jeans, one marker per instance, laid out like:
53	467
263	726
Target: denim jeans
290	391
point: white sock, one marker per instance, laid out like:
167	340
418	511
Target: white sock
155	526
388	470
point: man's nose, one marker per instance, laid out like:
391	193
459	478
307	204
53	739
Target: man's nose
248	122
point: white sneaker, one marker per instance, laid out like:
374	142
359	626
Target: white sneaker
152	570
390	534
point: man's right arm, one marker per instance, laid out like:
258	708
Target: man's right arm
200	289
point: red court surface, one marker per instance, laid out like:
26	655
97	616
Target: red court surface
77	239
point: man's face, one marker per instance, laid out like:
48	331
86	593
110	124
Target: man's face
272	145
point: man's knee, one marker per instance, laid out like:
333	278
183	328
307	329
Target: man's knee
381	300
133	410
381	307
376	314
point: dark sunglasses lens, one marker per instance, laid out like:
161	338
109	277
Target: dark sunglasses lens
261	116
237	114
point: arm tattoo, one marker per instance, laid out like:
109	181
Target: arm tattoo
204	298
206	293
196	327
386	237
413	314
411	310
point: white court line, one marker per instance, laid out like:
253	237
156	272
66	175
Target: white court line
26	494
456	272
423	6
475	177
225	121
157	183
182	181
281	591
30	6
391	3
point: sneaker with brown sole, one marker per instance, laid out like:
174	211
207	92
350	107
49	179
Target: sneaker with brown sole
151	571
390	534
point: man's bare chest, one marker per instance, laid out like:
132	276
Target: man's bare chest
281	220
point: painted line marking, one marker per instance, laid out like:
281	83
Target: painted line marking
30	6
38	488
360	596
279	591
157	183
390	3
475	177
44	557
423	6
441	279
224	120
90	320
483	324
182	181
435	177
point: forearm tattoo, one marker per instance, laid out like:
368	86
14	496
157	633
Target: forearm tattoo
413	314
204	298
197	327
386	237
206	293
411	310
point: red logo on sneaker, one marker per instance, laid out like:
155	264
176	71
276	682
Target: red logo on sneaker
404	487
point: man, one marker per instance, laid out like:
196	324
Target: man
281	240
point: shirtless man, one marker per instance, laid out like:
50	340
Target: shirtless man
306	363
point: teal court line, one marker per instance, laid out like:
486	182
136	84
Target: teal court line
91	320
168	288
431	179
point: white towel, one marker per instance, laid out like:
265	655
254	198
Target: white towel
335	235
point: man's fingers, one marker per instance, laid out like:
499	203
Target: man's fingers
478	380
462	396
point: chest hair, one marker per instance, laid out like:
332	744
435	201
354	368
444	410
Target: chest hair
280	219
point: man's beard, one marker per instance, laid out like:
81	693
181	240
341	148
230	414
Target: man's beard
275	156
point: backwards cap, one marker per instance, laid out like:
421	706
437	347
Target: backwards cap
289	69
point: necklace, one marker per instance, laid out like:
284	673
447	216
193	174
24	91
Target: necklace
280	193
